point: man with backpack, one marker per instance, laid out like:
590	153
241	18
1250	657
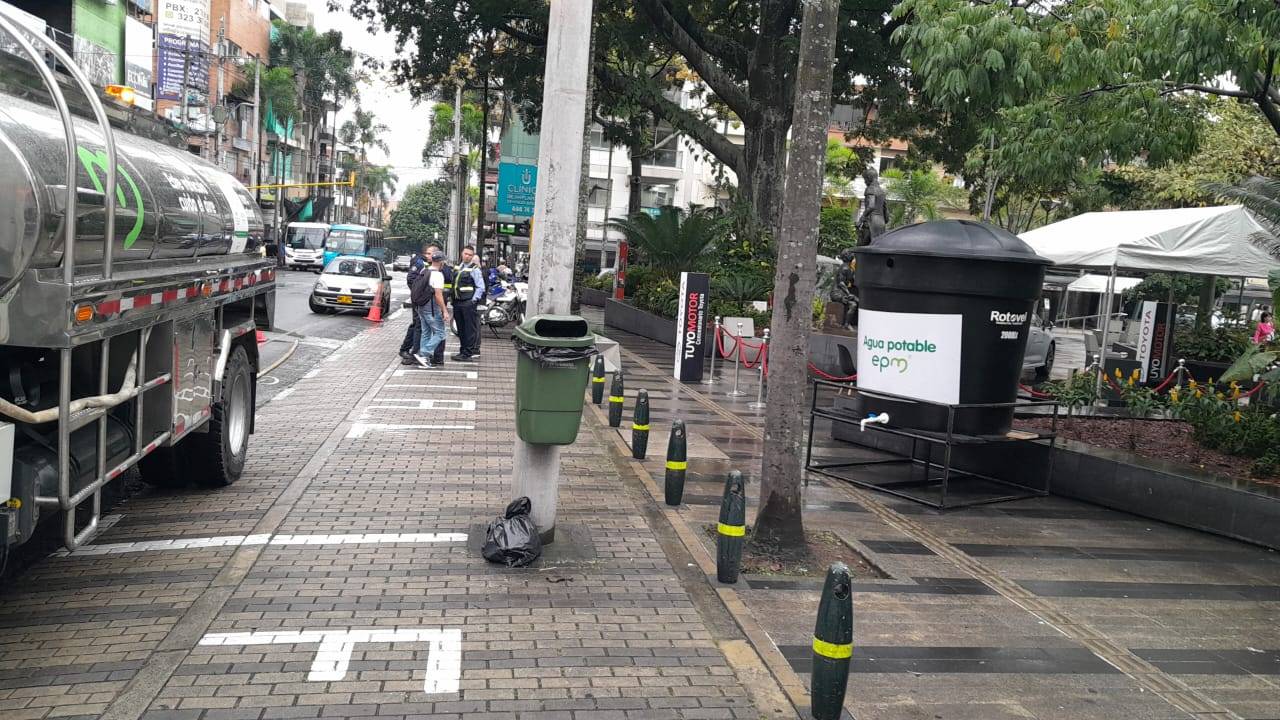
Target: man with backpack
428	297
468	289
413	335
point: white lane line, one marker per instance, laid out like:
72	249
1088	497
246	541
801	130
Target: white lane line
419	372
420	404
284	393
437	387
359	429
333	656
314	372
395	315
243	540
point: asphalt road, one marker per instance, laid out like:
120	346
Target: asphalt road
293	288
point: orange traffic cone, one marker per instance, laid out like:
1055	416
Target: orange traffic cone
260	337
375	310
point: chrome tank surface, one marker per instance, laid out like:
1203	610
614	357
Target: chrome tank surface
170	204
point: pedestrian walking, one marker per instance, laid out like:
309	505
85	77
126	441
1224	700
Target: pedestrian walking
468	288
413	335
428	296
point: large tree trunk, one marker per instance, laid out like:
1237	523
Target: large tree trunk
636	152
765	166
779	520
584	189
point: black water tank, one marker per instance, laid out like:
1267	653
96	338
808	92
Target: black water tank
945	309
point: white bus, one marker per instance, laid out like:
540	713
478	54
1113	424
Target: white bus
304	245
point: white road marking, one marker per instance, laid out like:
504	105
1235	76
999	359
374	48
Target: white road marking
284	393
314	372
248	540
333	657
421	404
469	374
438	387
359	429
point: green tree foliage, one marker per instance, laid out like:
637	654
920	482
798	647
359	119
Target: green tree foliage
275	86
920	195
441	133
671	242
1237	144
843	164
742	56
423	213
363	131
836	230
323	69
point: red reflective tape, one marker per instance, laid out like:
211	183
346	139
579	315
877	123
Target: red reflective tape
109	307
193	291
239	283
224	286
141	301
177	430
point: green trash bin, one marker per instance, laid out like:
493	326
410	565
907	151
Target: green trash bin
552	367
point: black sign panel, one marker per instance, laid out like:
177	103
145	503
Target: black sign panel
1155	340
691	325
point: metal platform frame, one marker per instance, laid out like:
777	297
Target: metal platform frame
948	440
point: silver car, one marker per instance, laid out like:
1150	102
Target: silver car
352	282
1041	347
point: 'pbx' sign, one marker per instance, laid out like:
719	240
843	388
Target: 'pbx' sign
691	325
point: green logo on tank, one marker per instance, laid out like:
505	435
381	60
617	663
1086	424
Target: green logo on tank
95	161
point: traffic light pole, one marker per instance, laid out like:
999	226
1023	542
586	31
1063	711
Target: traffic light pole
555	213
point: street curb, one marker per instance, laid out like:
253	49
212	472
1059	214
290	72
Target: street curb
774	686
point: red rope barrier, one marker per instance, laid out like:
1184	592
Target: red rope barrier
1033	392
827	376
1252	391
1160	388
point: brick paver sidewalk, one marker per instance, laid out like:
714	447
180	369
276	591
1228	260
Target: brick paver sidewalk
341	577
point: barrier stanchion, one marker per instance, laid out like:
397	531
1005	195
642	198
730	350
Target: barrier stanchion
832	644
677	464
737	366
710	379
1182	368
640	425
731	530
597	381
615	400
763	362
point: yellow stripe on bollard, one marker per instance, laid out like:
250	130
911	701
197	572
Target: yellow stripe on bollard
732	530
835	651
597	380
616	398
677	465
644	427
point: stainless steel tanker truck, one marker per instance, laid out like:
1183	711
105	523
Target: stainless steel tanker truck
131	283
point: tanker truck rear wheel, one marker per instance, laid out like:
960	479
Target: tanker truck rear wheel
215	457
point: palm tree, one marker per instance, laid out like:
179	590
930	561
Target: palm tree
922	195
672	241
363	132
322	70
378	184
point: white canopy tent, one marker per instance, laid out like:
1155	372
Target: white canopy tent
1092	283
1205	241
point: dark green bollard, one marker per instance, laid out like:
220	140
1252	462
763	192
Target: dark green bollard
640	425
615	401
832	644
732	530
597	381
677	463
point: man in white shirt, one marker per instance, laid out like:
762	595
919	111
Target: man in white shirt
434	314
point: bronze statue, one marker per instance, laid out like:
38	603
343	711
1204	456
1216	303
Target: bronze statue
844	290
873	218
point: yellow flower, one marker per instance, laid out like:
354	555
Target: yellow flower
1134	375
1119	375
1235	393
1234	385
1236	416
1199	394
1210	381
1173	395
1129	382
1221	396
1191	384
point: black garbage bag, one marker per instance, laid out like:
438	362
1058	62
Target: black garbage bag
551	357
513	538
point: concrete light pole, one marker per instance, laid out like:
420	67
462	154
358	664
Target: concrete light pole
555	215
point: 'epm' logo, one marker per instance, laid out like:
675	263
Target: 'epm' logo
1008	318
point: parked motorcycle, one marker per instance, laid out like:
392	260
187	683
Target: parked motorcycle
504	304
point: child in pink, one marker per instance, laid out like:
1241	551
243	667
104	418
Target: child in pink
1266	329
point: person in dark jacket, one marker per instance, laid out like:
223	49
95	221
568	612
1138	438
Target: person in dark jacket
468	290
413	336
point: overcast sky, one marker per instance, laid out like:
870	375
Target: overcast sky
392	106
